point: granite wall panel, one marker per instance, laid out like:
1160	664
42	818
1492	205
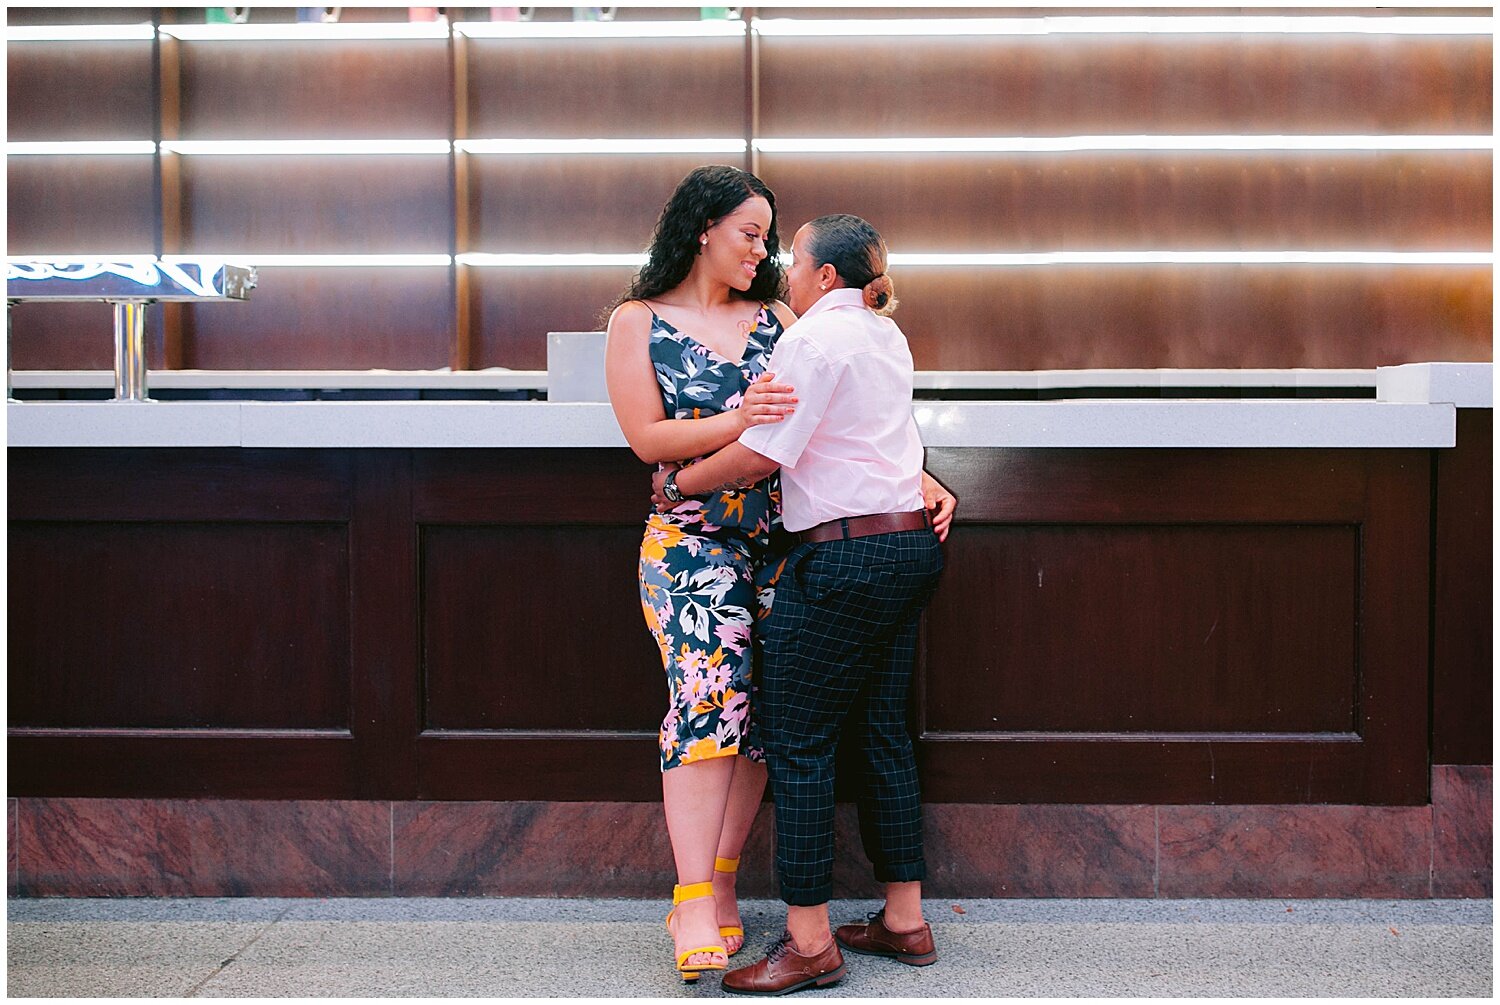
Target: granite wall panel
203	848
1295	851
1463	838
548	849
286	848
11	812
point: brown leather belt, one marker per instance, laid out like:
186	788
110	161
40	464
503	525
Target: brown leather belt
864	526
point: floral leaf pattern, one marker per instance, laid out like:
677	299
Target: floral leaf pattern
707	568
697	382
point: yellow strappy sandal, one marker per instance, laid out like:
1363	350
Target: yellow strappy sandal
690	971
725	931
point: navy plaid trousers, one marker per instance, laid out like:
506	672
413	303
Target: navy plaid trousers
838	652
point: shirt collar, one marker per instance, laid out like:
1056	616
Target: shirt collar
836	298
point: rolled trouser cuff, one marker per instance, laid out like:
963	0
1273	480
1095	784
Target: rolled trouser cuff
806	897
908	872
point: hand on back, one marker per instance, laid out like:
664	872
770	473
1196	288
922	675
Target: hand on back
766	401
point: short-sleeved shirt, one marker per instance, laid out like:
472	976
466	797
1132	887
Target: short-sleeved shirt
851	447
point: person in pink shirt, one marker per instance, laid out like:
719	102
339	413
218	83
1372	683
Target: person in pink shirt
839	644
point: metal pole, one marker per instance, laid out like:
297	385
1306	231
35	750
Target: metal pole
130	351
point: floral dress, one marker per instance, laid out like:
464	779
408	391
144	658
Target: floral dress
708	567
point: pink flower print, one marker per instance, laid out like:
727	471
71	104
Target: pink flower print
733	636
683	514
667	738
718	677
736	706
694	686
733	401
692	660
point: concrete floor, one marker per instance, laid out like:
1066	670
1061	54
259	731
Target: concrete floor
618	948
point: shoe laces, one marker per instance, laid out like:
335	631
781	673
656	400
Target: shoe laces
780	947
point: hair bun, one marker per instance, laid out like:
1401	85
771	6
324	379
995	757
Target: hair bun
879	292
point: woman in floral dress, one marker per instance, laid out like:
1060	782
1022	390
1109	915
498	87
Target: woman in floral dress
685	364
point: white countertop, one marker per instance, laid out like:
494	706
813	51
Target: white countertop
1092	423
1467	385
1415	408
494	379
1042	380
501	379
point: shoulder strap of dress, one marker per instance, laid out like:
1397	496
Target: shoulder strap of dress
772	319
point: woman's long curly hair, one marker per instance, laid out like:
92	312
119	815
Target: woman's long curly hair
708	193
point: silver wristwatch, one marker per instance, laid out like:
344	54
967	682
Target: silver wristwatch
669	489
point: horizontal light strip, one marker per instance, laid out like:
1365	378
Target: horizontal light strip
600	29
483	260
798	145
1201	258
292	261
1056	258
783	27
80	33
297	148
1067	144
305	31
84	148
1129	25
88	259
613	146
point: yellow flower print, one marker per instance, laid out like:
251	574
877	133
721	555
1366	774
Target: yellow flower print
734	507
661	537
700	750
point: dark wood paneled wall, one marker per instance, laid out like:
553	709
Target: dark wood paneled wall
1010	318
1169	626
188	637
394	89
1059	85
1463	655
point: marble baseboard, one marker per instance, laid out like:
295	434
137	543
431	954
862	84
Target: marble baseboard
10	848
543	849
202	848
1036	850
1041	850
1295	851
1463	839
63	847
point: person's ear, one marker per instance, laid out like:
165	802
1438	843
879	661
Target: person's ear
827	276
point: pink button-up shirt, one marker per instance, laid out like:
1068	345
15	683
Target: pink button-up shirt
851	447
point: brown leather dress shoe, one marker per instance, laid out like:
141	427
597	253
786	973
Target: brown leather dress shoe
915	949
785	970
